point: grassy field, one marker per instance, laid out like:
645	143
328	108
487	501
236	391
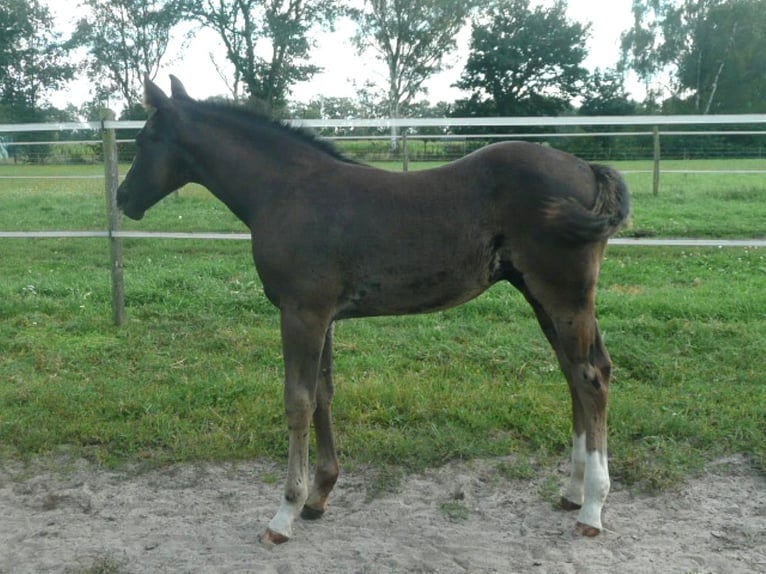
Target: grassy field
195	373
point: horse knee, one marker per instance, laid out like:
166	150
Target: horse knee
299	408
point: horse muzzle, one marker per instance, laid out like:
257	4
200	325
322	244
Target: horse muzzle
130	210
127	207
135	215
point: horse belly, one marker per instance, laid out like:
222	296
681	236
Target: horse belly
411	293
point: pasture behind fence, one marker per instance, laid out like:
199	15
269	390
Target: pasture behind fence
103	141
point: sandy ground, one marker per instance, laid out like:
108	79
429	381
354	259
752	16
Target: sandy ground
76	518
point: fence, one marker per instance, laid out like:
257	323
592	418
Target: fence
109	142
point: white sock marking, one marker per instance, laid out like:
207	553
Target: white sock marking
575	491
596	488
282	523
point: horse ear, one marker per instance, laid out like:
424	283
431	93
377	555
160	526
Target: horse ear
177	89
154	97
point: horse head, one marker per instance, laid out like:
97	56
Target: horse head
159	166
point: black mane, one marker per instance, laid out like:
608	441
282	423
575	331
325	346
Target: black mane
245	117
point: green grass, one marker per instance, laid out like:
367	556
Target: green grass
195	373
698	204
455	510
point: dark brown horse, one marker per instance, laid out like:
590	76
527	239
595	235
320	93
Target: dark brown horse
333	239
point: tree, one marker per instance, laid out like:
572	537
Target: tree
523	61
279	28
604	95
411	37
32	60
125	40
708	52
332	108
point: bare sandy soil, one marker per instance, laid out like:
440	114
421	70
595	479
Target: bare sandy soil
76	518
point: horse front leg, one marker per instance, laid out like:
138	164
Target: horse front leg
302	340
327	468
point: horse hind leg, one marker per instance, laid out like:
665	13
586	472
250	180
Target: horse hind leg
327	468
587	367
573	332
574	494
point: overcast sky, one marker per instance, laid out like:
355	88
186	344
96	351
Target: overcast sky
342	67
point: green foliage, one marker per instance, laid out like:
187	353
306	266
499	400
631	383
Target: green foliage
125	40
523	61
32	60
733	34
711	49
241	24
411	37
605	95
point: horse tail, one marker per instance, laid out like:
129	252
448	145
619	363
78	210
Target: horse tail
575	223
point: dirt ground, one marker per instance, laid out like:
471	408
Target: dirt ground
463	518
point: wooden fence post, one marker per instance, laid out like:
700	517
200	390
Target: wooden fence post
405	152
111	182
656	175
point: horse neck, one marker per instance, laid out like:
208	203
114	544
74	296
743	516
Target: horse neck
244	170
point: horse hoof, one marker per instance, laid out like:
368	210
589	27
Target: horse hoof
585	530
309	513
271	538
567	504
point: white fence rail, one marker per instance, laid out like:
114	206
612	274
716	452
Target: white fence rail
676	120
115	236
640	241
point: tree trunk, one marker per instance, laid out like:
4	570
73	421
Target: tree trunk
714	87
